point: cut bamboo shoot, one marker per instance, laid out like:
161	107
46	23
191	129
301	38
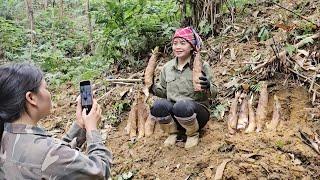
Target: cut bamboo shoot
196	73
252	117
149	73
233	114
261	112
132	120
276	116
243	120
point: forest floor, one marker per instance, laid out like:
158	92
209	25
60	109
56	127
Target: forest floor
278	154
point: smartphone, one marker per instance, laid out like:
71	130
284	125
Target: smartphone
86	95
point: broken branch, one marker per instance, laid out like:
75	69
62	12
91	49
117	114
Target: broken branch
124	80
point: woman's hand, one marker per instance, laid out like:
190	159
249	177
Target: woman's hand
204	82
79	119
92	120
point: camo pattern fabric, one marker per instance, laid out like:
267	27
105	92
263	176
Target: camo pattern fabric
29	152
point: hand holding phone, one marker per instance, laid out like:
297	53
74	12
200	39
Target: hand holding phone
86	96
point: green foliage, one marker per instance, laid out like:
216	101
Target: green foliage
10	9
263	34
12	39
219	111
255	87
280	144
132	28
307	27
290	49
237	4
117	109
204	27
124	32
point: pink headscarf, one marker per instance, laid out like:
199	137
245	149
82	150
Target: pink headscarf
190	35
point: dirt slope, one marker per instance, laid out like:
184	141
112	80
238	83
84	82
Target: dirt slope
266	155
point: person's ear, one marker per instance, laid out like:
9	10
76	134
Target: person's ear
31	98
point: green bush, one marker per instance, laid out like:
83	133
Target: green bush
124	33
131	28
12	39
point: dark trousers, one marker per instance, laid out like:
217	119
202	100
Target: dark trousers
182	109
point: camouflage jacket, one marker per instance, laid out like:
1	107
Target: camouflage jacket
28	152
176	85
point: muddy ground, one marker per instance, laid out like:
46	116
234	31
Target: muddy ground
278	154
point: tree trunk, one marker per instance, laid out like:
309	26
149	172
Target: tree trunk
53	17
45	4
206	10
61	9
89	26
184	9
31	21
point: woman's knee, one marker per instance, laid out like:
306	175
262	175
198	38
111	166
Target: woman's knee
183	108
161	108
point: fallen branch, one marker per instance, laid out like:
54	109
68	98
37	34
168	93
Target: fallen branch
124	80
283	53
123	83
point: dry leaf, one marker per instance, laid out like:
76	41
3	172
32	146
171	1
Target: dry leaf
220	169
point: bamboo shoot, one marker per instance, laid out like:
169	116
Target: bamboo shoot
252	117
261	113
196	73
276	116
149	73
233	114
243	114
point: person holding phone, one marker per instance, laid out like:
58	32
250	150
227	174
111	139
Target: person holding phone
27	151
181	109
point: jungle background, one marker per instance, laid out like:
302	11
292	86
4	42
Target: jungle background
245	42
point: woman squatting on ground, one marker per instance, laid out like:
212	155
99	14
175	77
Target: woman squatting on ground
181	110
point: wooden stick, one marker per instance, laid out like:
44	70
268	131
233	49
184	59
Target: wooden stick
123	83
313	80
283	53
124	80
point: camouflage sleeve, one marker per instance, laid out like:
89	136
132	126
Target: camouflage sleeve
160	89
77	132
213	87
62	162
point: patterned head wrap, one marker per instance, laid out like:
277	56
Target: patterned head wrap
190	35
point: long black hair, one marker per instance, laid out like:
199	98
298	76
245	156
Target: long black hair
15	81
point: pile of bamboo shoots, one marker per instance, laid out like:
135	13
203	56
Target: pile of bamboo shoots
242	116
139	121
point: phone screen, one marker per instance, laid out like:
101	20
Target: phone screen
86	95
